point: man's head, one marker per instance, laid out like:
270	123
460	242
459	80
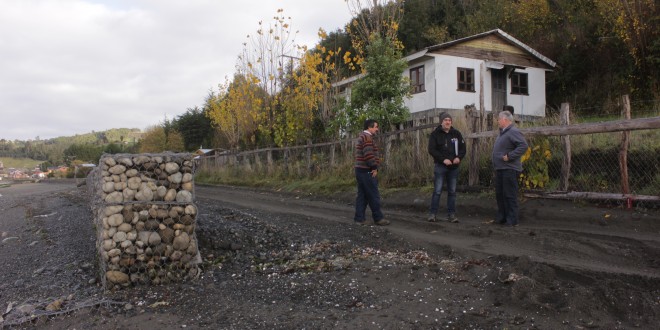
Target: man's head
508	108
445	121
504	119
371	125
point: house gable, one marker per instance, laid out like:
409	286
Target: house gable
495	46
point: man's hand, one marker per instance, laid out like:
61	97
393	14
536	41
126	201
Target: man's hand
447	162
505	158
374	173
457	161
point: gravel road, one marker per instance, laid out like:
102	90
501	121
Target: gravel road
275	260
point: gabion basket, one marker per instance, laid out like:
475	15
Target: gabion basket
145	216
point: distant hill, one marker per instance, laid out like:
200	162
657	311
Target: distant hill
53	150
114	135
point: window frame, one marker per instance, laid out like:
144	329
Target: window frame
465	80
418	84
519	83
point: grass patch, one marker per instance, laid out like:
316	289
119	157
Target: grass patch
318	185
28	163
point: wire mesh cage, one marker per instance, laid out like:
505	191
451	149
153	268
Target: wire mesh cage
145	218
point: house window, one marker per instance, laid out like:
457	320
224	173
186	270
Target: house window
465	80
417	79
519	83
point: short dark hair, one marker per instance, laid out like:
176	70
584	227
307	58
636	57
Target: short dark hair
368	123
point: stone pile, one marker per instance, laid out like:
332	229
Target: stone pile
145	218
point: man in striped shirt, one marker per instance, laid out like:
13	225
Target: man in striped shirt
366	170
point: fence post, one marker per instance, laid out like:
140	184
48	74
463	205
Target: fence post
474	124
623	152
246	162
309	156
564	115
482	106
417	159
219	161
257	161
332	155
269	161
286	161
388	147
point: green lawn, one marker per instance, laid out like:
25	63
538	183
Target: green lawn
19	162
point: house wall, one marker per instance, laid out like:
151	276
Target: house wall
534	103
425	100
441	82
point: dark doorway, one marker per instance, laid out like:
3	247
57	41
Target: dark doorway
498	78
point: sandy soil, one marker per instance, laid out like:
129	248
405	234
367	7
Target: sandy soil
277	260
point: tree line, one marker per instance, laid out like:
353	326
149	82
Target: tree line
281	94
603	48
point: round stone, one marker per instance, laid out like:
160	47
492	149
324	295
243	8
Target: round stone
117	169
181	242
116	277
171	167
184	196
115	220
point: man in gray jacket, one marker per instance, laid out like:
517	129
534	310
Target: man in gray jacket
509	147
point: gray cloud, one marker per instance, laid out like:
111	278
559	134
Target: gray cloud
72	66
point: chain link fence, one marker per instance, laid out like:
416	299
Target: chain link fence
145	218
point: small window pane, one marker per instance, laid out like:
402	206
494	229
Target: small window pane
519	83
417	79
465	80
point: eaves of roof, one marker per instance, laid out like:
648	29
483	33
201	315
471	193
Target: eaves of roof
503	34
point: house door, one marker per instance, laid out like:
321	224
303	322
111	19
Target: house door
498	78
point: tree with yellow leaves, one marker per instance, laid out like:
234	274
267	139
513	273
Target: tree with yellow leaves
236	110
157	140
264	58
372	18
301	101
637	24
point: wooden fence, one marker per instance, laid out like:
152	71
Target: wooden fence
308	158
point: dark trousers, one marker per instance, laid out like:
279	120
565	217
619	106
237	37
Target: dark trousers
367	194
441	175
506	192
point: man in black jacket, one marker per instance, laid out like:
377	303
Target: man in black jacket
447	147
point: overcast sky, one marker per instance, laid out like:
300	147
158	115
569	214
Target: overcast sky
70	67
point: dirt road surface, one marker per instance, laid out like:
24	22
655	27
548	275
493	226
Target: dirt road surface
275	260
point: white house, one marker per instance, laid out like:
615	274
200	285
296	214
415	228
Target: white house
489	70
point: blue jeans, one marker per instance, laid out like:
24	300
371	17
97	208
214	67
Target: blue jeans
506	193
367	194
443	174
